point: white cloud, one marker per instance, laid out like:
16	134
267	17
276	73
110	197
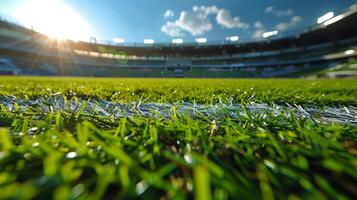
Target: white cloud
279	13
269	9
295	20
282	26
260	29
197	21
258	33
258	25
194	22
169	13
225	19
207	10
172	29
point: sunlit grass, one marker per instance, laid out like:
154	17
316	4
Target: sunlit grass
73	155
206	91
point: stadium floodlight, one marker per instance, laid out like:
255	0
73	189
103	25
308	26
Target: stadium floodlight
177	41
149	41
270	34
325	17
333	20
233	38
201	40
350	52
119	40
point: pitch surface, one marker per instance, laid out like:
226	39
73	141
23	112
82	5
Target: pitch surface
168	138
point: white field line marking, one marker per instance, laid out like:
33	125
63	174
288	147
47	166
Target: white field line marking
343	115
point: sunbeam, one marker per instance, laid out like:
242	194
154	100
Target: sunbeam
55	19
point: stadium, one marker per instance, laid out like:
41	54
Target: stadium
222	99
313	49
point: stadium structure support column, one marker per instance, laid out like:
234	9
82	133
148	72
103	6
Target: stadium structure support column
165	63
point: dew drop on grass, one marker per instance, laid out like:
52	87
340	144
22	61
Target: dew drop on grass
71	154
32	129
36	144
27	155
77	190
141	187
142	154
2	155
188	147
116	161
188	158
189	186
57	93
269	164
42	180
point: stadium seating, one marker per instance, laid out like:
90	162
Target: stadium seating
312	49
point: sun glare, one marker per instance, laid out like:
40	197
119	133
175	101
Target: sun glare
55	19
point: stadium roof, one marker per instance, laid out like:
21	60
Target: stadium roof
163	21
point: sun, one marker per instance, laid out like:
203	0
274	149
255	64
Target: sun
54	18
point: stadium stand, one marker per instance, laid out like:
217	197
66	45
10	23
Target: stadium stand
24	51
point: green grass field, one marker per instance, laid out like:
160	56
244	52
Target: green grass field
83	154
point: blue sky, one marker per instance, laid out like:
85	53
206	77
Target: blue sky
135	20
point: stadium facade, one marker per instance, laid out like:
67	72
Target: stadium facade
26	52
